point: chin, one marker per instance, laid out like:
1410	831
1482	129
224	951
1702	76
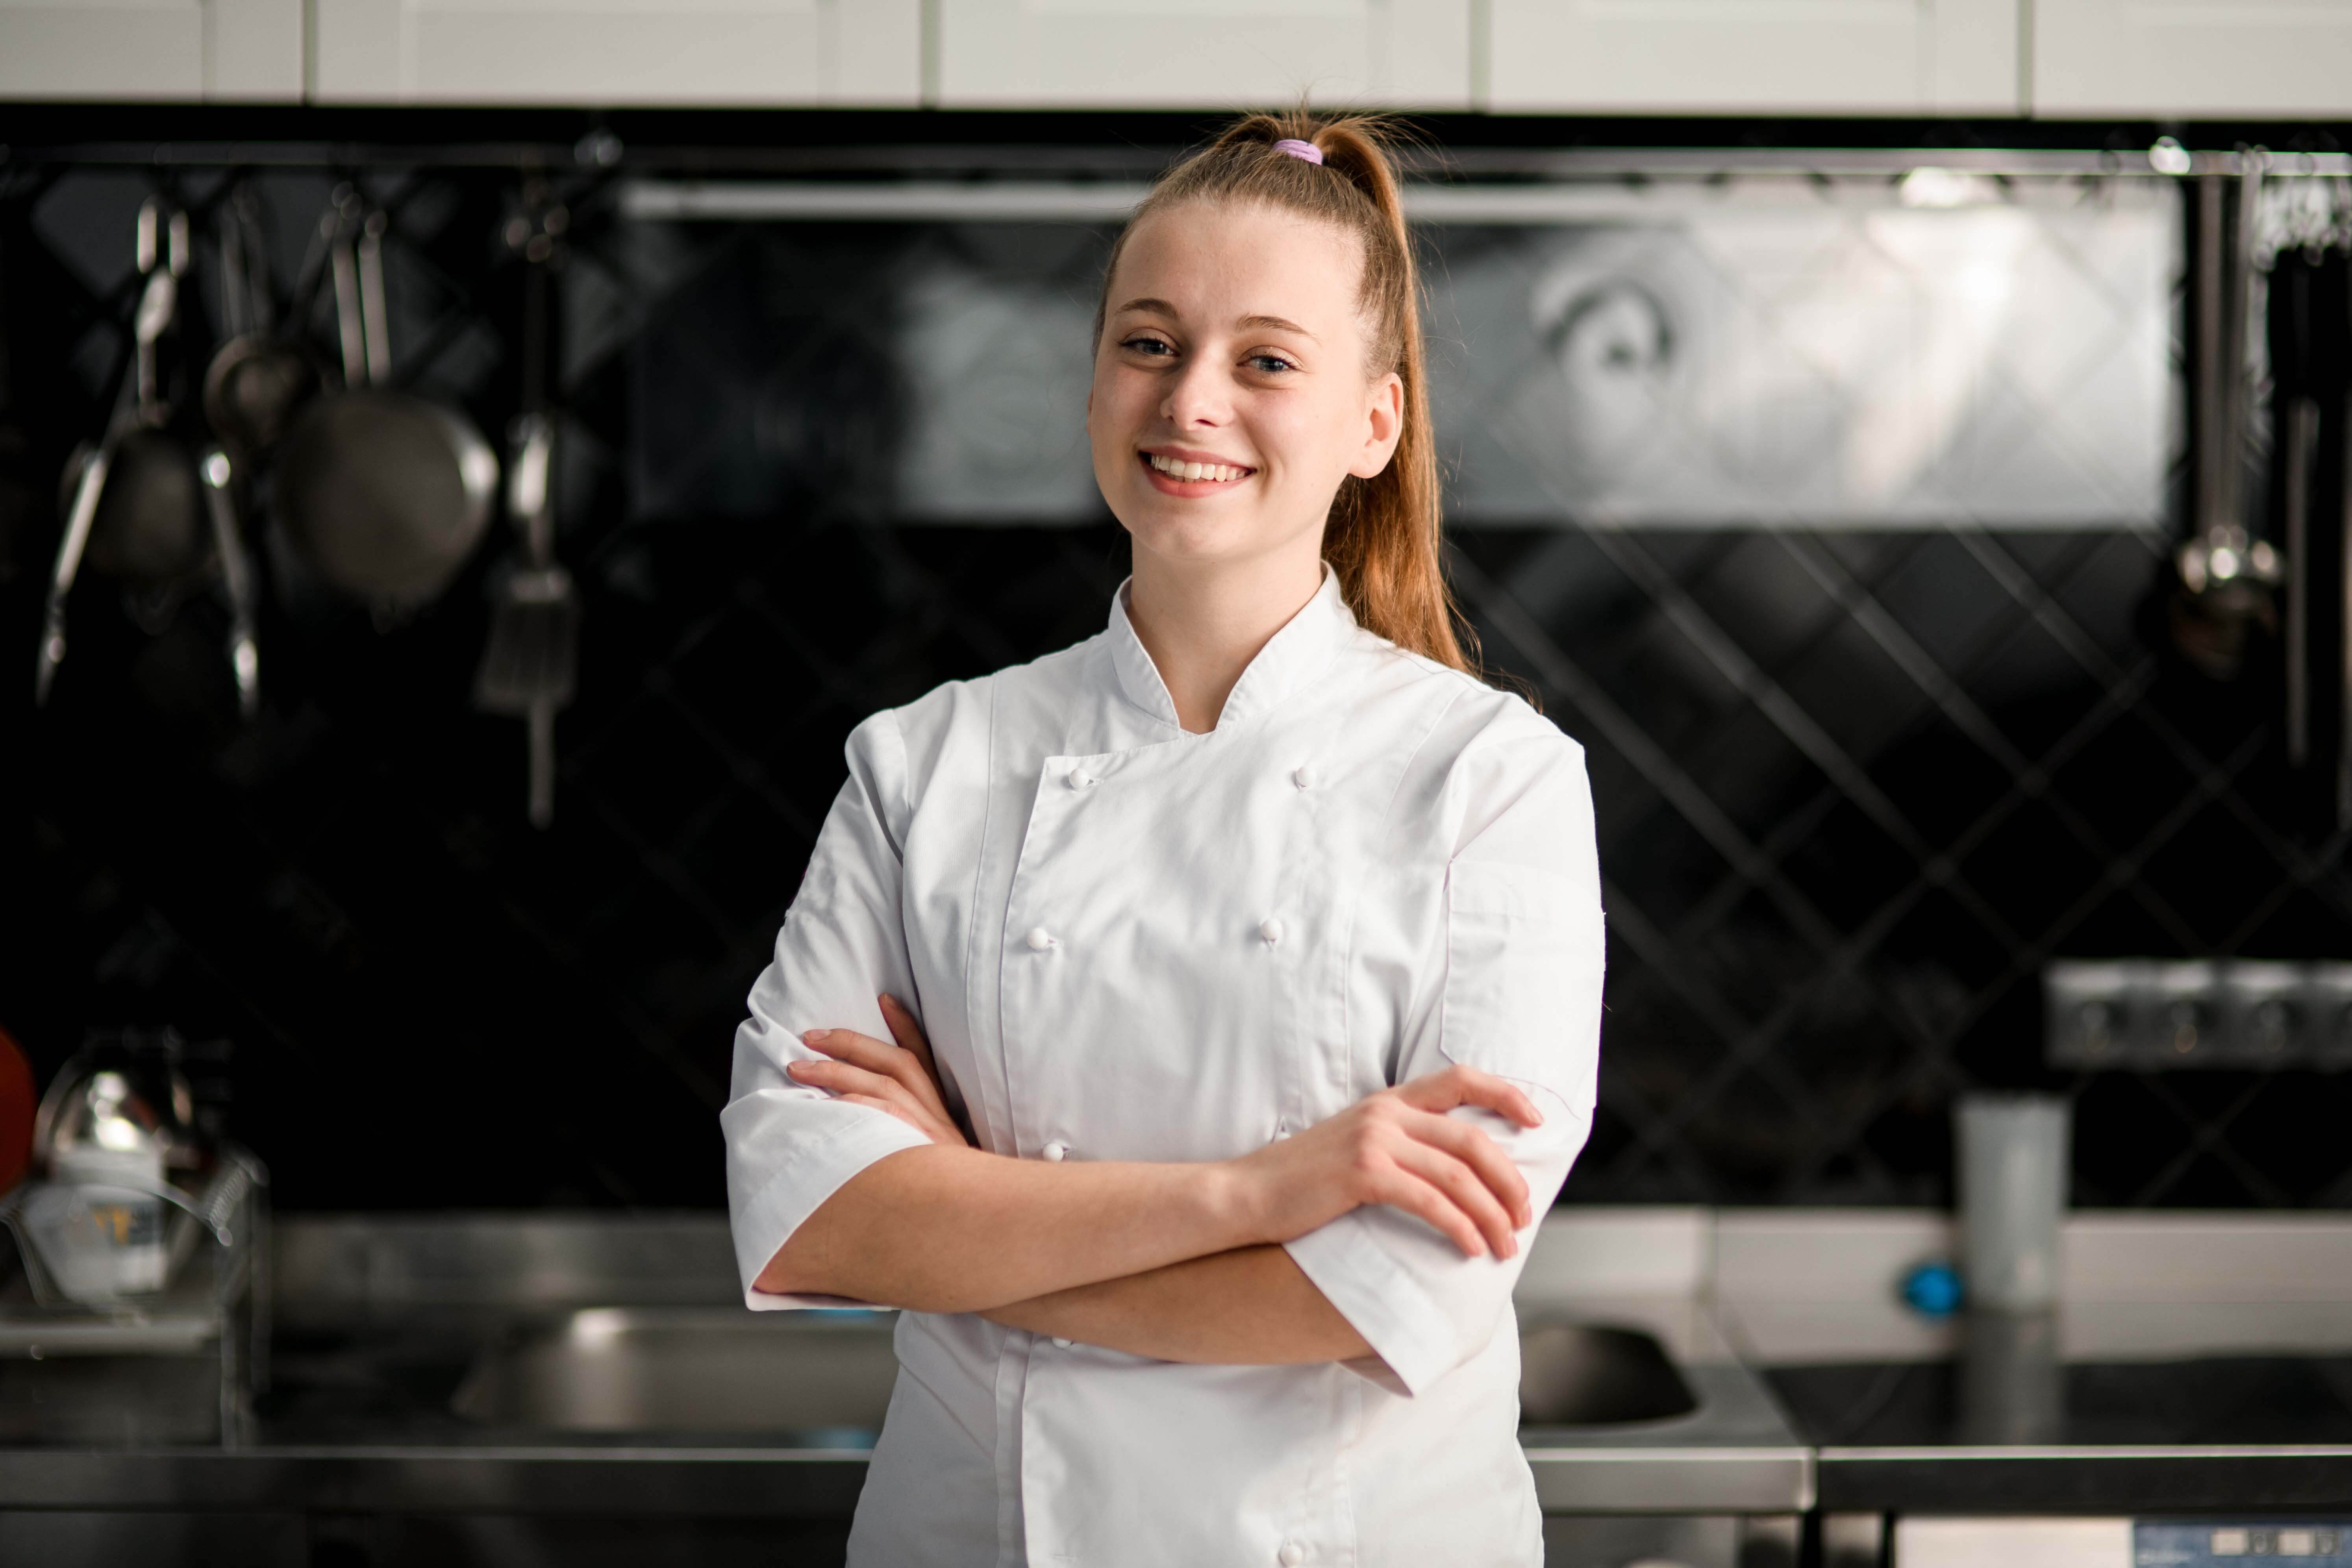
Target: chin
1195	536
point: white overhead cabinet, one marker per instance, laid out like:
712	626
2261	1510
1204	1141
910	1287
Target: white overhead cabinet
2222	58
1761	57
151	50
1214	54
594	53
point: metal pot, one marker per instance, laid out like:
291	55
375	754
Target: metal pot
384	493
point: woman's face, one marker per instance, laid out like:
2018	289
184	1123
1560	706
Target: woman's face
1231	392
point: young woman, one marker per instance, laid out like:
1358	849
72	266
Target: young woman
1240	969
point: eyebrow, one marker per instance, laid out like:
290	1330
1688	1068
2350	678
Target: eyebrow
1264	323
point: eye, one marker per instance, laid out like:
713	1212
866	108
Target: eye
1269	365
1145	344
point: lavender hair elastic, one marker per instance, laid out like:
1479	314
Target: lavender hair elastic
1305	152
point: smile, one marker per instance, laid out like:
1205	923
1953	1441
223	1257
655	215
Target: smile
1185	471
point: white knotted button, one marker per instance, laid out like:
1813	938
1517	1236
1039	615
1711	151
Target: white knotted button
1270	928
1303	775
1291	1555
1061	1341
1055	1151
1039	938
1081	779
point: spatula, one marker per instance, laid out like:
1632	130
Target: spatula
531	664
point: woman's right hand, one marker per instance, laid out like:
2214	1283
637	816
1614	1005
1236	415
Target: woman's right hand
1398	1147
901	1078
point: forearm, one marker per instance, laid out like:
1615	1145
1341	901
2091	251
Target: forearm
1250	1307
941	1229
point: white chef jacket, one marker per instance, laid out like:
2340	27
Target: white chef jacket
1129	942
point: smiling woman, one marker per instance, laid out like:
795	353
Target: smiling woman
1331	229
1188	1028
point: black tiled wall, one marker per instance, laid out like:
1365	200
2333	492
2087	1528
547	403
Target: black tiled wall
1854	786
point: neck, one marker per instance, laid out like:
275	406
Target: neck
1203	622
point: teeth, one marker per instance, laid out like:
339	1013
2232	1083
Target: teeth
1178	469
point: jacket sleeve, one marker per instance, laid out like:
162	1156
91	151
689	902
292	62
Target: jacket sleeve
1519	996
790	1147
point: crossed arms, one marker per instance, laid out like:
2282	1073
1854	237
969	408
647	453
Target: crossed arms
1176	1261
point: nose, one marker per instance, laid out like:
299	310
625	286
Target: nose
1198	395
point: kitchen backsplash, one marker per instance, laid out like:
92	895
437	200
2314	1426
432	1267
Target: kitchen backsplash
1826	515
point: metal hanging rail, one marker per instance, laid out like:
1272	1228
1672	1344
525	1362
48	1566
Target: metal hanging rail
603	151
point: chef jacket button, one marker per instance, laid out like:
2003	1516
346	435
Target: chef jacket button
1039	938
1303	776
1270	928
1282	1130
1291	1555
1057	1150
1081	779
1061	1341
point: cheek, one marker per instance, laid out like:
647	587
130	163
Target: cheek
1313	436
1115	402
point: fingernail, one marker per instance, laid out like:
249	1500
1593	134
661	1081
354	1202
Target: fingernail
793	1069
815	1034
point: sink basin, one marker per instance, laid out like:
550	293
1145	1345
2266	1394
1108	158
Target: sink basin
1581	1375
824	1379
807	1379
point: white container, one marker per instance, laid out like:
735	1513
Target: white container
99	1223
2014	1155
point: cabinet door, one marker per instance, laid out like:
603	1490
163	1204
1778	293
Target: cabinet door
1211	55
2158	58
761	52
151	50
1800	56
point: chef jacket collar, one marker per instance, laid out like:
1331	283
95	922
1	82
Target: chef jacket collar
1294	656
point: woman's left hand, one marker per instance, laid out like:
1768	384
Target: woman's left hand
901	1078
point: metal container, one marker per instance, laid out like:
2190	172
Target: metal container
2014	1157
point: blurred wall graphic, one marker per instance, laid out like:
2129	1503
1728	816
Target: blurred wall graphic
1825	514
1776	353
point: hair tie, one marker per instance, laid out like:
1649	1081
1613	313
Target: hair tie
1305	152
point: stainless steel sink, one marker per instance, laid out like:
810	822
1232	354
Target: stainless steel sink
822	1379
804	1379
612	1336
1581	1375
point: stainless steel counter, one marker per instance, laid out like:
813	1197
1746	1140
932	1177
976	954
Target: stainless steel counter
547	1365
2196	1362
534	1364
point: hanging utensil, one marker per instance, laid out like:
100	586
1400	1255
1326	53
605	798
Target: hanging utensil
257	380
2309	321
237	574
530	665
132	508
148	531
384	492
2227	577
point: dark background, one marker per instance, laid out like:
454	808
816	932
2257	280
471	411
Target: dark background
1855	787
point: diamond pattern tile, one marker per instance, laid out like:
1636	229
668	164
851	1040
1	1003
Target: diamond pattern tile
1854	784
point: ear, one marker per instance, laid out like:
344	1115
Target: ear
1383	425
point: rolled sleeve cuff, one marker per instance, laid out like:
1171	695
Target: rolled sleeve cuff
1382	1300
817	1168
